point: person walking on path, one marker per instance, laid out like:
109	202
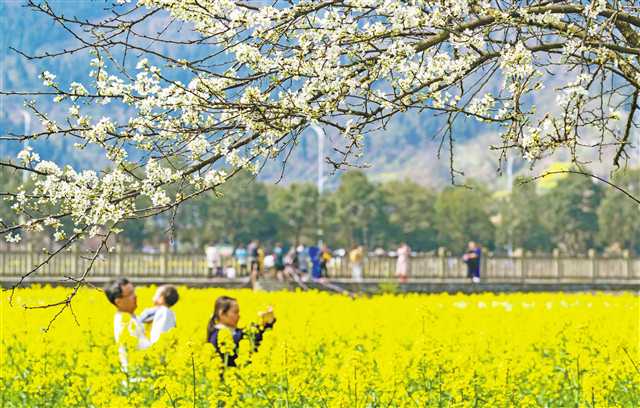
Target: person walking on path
472	258
262	253
325	257
356	258
315	255
291	262
254	265
303	259
241	254
214	260
402	264
278	260
291	270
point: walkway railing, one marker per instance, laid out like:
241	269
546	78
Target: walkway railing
175	266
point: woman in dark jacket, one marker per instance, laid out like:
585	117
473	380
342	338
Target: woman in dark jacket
226	314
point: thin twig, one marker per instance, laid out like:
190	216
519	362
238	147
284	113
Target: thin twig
625	192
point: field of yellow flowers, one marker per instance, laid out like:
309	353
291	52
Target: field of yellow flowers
554	350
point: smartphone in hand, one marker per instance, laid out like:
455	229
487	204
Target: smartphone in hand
267	315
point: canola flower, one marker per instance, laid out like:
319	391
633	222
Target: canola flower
553	350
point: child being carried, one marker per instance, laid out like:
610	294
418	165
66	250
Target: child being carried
161	317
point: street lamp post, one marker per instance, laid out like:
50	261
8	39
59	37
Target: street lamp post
510	188
27	127
638	149
320	133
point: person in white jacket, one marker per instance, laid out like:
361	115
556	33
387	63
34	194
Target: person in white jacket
161	316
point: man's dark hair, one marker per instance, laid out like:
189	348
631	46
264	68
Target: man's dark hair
170	294
113	289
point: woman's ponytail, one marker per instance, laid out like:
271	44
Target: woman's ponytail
222	305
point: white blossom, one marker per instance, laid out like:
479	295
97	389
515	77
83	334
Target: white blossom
214	178
47	78
198	147
13	238
28	156
77	89
48	167
516	62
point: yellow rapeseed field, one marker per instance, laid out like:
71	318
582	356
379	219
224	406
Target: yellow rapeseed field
553	350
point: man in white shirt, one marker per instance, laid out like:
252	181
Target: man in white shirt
122	294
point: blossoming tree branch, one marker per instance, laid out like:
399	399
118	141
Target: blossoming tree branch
239	82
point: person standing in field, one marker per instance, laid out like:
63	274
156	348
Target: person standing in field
223	332
472	258
402	264
356	258
127	329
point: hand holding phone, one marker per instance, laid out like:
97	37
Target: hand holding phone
267	315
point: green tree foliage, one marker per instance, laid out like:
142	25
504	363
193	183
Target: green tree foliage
135	233
359	216
618	216
462	214
574	215
570	213
411	214
296	208
236	212
520	219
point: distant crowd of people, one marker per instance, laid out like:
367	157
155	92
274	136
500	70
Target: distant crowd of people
302	263
297	262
